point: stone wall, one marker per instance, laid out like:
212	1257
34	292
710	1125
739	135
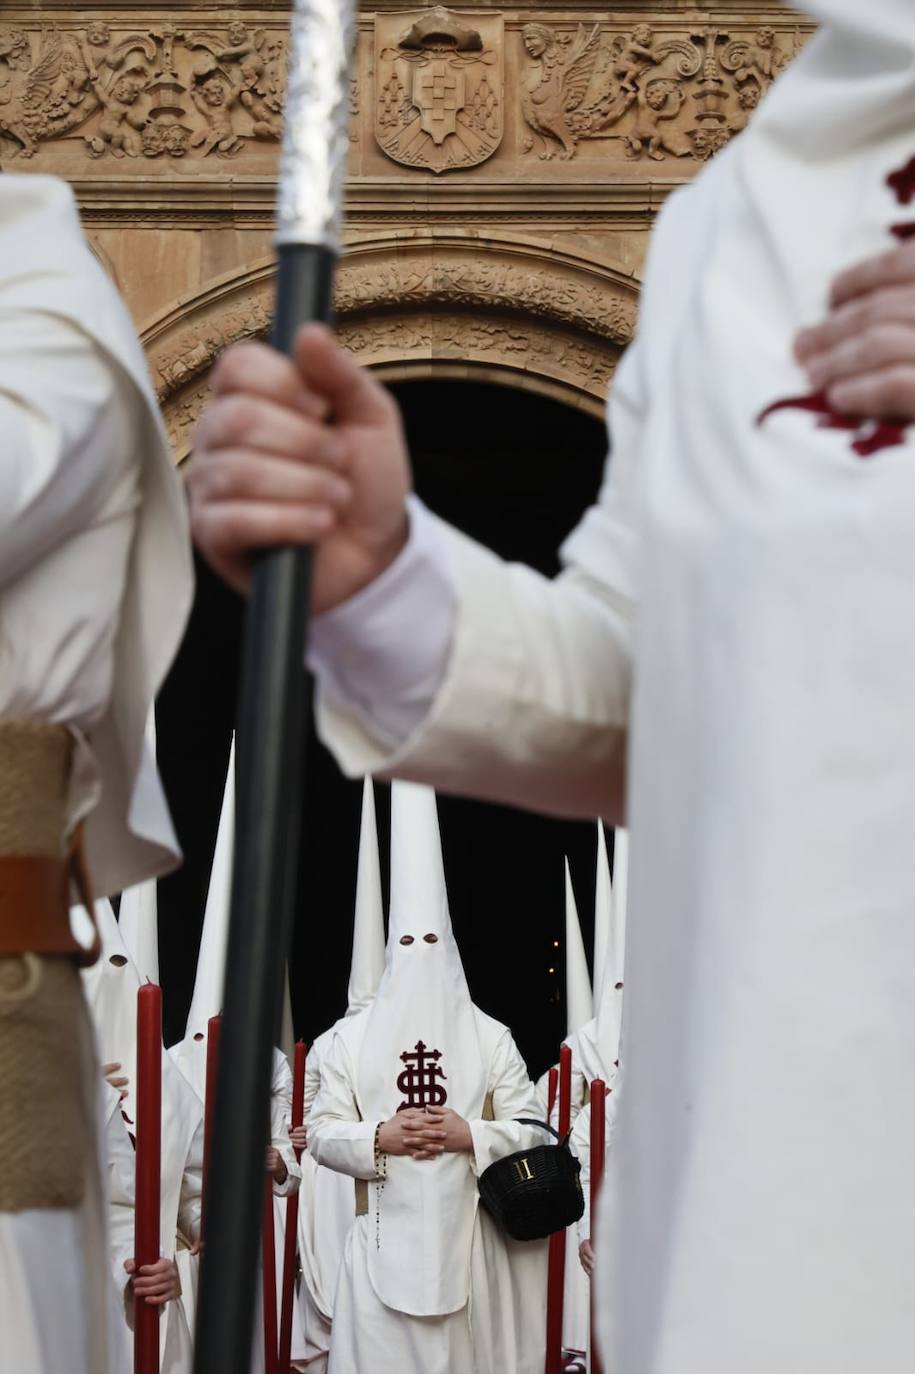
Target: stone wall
505	169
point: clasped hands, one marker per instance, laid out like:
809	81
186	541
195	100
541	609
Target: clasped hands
425	1133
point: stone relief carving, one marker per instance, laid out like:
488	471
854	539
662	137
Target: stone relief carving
464	282
439	87
659	96
514	304
583	365
159	91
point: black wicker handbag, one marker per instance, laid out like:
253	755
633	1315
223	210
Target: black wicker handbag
533	1193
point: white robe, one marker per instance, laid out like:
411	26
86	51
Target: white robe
502	1326
326	1214
280	1117
89	505
188	1057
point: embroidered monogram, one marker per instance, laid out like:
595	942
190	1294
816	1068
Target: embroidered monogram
419	1081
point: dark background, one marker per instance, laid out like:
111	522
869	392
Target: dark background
516	471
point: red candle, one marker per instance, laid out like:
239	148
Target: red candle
565	1089
148	1167
214	1027
292	1217
557	1257
598	1139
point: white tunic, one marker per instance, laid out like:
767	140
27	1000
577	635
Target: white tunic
501	1326
326	1215
95	584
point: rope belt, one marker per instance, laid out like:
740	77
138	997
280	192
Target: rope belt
45	1129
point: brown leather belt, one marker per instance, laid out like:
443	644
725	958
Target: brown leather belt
35	904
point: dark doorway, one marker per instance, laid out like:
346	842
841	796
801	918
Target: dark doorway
516	471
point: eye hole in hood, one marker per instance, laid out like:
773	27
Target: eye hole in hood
431	939
406	939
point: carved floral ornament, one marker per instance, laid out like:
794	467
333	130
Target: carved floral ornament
436	80
442	303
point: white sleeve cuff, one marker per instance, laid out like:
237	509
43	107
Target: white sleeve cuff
382	655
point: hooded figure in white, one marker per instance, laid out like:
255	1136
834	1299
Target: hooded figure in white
596	1044
326	1209
595	1054
111	987
190	1054
609	905
427	1284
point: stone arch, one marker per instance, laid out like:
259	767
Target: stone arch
508	309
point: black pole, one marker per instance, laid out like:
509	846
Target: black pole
271	738
272	715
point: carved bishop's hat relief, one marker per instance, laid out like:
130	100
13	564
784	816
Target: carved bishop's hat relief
439	87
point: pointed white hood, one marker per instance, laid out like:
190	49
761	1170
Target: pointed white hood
138	915
853	84
423	994
603	911
111	985
211	960
190	1054
579	1002
799	196
138	919
367	964
596	1048
615	961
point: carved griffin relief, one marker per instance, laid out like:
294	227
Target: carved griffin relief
660	97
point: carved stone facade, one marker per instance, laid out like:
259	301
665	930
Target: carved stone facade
505	170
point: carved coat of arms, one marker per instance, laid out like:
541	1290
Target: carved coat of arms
439	91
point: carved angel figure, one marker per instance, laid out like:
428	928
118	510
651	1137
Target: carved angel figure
215	98
749	61
120	120
633	56
239	45
256	98
660	101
